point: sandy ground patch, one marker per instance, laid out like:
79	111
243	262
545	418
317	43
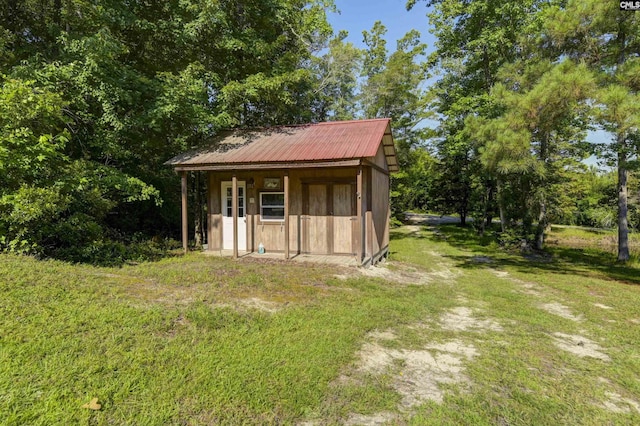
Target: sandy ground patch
616	403
431	219
382	335
601	306
418	374
370	420
405	274
251	303
462	319
413	228
527	287
260	304
580	346
561	310
422	371
500	274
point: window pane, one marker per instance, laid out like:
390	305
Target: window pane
240	191
229	212
272	205
272	199
229	192
273	213
240	212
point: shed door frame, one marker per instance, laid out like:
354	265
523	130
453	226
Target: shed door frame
331	223
227	215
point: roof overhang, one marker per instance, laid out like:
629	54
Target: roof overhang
390	150
268	166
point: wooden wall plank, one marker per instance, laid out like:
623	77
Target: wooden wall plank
343	213
360	199
380	210
317	219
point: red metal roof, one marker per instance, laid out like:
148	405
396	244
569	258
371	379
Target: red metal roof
338	140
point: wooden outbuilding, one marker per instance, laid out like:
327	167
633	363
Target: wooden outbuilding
308	189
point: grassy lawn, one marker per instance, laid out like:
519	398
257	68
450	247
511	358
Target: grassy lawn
452	331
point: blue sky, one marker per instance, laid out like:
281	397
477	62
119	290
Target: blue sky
358	15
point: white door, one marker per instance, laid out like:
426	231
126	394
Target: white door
227	216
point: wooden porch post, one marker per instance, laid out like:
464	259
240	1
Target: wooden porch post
359	213
185	232
234	210
210	183
286	215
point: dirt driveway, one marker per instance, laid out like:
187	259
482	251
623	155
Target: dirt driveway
423	370
430	219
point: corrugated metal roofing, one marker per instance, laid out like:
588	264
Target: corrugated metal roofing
338	140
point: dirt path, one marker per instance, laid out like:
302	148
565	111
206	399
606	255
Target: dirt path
430	219
428	372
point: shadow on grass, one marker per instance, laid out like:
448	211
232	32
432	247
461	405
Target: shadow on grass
115	254
587	262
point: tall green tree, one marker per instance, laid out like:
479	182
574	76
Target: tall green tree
337	74
474	40
393	86
608	39
538	137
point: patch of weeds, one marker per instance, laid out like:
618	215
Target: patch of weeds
366	394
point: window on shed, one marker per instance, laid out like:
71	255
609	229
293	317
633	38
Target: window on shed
272	206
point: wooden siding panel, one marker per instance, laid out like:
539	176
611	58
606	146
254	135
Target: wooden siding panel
360	233
380	159
368	217
271	235
295	212
214	239
380	210
343	215
317	236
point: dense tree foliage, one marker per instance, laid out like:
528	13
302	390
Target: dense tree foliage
374	83
608	41
97	95
521	84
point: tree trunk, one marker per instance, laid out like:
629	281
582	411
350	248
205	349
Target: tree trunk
463	218
542	215
542	224
57	13
623	173
501	205
623	224
487	217
488	211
